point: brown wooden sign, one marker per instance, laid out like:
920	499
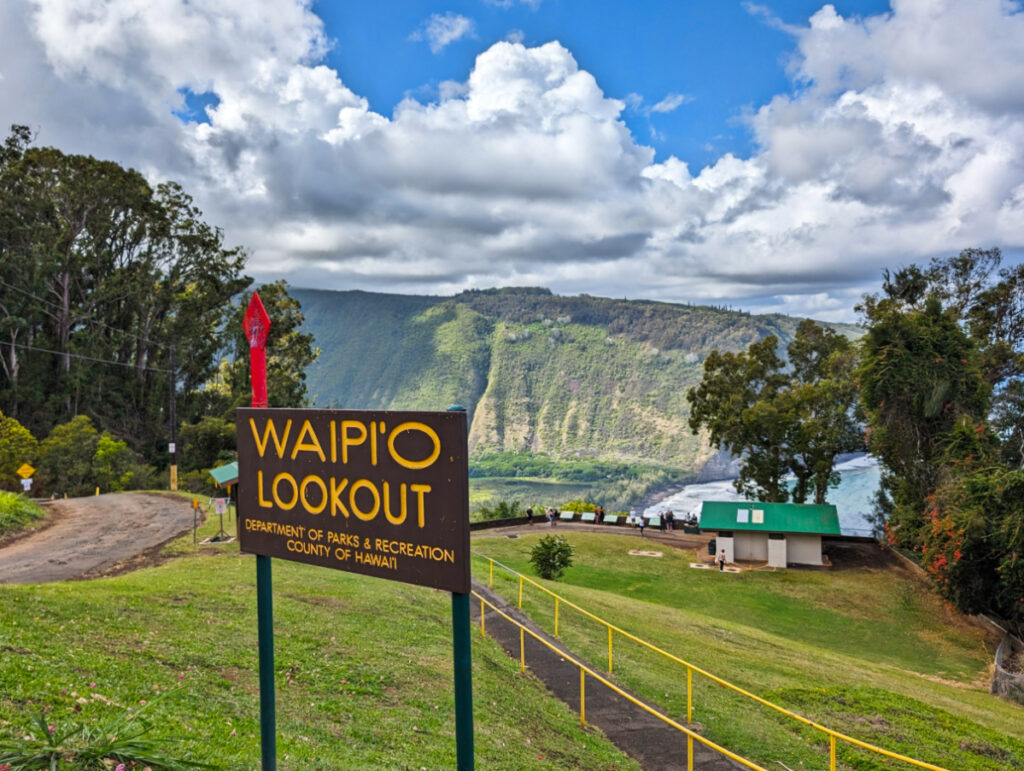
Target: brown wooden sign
380	493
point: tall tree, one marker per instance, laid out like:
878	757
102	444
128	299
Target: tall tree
781	421
737	403
941	387
102	274
940	341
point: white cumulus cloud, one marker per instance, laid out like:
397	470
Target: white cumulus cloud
440	30
902	138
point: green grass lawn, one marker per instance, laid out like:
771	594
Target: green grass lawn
871	653
363	669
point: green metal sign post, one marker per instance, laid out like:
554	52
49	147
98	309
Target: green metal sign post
265	627
463	666
257	326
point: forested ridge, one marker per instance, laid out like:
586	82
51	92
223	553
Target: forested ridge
115	295
571	377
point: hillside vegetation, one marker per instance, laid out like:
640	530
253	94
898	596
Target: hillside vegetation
865	649
570	377
363	670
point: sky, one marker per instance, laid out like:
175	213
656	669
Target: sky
772	156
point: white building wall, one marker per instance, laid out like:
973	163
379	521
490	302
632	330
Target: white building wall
803	549
725	542
751	546
777	553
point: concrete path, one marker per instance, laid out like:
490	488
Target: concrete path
655	744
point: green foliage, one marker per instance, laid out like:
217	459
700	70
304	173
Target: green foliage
16	511
76	458
91	747
501	510
551	555
781	422
940	383
616	484
527	464
113	464
17	446
207	443
578	506
109	273
573	379
973	542
66	457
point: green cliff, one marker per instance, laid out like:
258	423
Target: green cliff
566	377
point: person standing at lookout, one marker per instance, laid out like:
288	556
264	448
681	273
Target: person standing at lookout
529	515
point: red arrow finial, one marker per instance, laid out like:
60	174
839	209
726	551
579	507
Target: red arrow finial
257	325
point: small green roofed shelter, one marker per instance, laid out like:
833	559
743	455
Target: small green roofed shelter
780	533
225	475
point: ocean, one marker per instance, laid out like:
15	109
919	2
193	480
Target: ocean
853	497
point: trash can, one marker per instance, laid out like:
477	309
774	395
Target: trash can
712	547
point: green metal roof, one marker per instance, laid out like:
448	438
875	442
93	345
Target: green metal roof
817	518
226	474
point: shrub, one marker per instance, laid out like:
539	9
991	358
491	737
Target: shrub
551	556
16	511
501	510
578	506
120	741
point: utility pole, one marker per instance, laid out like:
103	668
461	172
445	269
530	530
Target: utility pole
172	445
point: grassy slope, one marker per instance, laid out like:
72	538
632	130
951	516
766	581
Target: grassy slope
870	653
17	513
363	668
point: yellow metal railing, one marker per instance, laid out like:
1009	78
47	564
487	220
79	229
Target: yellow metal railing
585	670
691	668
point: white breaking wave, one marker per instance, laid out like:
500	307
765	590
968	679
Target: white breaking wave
853	498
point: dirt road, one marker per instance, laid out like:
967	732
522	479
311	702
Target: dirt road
93	535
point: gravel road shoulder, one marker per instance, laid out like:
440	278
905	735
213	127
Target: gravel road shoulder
94	536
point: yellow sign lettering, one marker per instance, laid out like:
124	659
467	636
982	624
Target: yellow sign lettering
263	502
358	485
336	503
420	491
286	505
414	426
317	481
270	431
387	504
303	446
347	441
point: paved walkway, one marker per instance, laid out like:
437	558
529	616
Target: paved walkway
655	744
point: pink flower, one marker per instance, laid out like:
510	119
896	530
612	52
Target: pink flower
92	685
142	702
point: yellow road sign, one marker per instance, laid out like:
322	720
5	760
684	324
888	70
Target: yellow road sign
25	471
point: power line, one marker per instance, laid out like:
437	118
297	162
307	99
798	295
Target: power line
82	356
80	318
